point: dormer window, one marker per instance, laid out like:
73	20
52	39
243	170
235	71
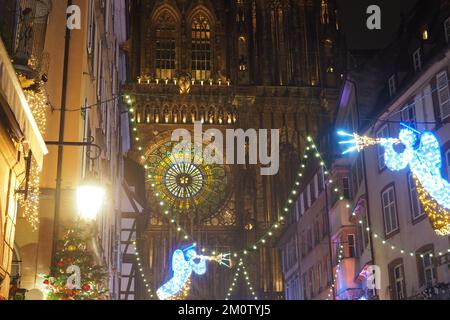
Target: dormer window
417	60
447	29
392	86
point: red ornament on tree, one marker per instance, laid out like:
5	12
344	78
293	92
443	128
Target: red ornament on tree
60	264
46	282
86	287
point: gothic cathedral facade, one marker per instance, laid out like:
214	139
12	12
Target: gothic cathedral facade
262	64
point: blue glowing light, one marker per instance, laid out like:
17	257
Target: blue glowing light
421	153
184	263
352	142
424	161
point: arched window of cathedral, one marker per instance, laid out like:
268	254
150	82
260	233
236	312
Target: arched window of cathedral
165	50
201	47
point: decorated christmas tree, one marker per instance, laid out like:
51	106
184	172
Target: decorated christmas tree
74	276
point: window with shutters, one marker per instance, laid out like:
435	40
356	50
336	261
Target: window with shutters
416	207
417	60
346	188
382	133
304	287
302	205
392	86
320	180
429	272
443	94
397	280
317	231
447	163
389	210
447	29
351	246
309	239
92	30
409	115
312	191
362	233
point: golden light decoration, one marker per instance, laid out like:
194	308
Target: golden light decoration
358	143
38	103
438	215
71	248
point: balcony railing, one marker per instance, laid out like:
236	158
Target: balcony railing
23	25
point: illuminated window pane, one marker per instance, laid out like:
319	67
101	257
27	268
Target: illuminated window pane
165	52
201	48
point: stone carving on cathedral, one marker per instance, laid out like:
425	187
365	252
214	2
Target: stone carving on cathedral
184	82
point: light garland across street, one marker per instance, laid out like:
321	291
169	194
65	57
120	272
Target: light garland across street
241	270
375	235
263	240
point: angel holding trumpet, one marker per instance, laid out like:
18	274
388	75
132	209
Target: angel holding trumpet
420	151
184	263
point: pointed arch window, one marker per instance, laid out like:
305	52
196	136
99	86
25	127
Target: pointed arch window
201	48
165	53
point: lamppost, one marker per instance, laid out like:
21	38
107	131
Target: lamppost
60	144
90	194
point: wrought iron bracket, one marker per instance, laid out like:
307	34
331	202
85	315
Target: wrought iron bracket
89	143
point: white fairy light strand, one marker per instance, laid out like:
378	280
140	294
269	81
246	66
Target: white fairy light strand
140	270
336	273
263	240
241	270
376	236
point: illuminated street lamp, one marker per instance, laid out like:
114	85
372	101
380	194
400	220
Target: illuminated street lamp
90	198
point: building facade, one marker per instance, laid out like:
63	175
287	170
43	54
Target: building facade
22	146
79	72
305	245
227	64
408	84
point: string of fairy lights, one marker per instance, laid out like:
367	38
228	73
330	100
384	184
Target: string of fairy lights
336	273
37	100
141	272
376	236
241	270
264	239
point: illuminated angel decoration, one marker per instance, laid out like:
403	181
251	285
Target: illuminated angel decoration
420	151
184	263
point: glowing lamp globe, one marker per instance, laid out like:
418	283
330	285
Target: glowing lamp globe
90	198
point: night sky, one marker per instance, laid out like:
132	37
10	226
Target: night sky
353	19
